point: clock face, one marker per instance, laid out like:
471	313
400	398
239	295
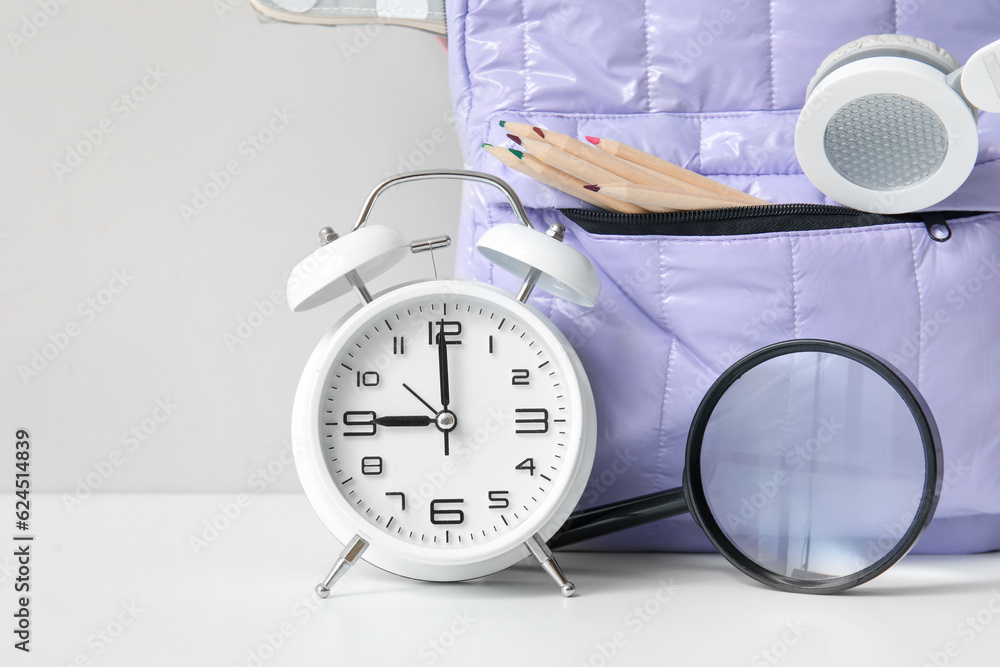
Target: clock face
445	419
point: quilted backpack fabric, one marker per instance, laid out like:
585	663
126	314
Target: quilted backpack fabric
716	86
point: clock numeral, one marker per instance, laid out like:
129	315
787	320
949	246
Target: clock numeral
526	464
371	465
446	328
368	379
365	419
397	344
438	516
519	376
402	497
542	420
498	500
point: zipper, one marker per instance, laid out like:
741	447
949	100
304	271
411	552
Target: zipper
937	226
764	219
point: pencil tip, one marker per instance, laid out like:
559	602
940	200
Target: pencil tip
513	137
539	132
518	154
487	145
503	123
593	188
594	140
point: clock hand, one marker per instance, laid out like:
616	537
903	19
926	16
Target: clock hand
445	390
444	419
417	396
443	370
414	420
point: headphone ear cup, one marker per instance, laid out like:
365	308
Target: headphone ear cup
882	130
873	46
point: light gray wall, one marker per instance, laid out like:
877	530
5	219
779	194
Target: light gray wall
348	107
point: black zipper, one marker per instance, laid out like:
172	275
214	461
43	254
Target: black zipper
765	219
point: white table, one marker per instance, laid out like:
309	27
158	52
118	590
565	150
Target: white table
119	582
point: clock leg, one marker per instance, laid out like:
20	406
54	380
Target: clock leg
351	553
536	545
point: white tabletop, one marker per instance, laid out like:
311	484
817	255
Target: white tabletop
124	580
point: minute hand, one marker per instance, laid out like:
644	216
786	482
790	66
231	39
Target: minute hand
443	370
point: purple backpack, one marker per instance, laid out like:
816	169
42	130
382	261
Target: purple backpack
716	86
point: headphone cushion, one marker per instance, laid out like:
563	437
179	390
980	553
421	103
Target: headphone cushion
871	46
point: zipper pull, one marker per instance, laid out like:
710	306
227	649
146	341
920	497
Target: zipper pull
937	226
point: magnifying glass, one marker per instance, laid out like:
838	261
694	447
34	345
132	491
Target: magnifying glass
812	466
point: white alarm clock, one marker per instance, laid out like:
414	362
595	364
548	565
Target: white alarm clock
445	428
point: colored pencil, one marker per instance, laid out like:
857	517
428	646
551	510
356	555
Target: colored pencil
644	159
648	196
627	171
531	166
570	164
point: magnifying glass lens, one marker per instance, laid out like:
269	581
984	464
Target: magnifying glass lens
815	468
812	466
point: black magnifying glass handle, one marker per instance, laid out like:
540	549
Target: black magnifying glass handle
614	517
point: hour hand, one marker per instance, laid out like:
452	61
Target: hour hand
405	420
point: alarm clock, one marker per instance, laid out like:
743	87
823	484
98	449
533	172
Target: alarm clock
443	429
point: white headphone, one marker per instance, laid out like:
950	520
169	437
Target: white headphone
890	122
